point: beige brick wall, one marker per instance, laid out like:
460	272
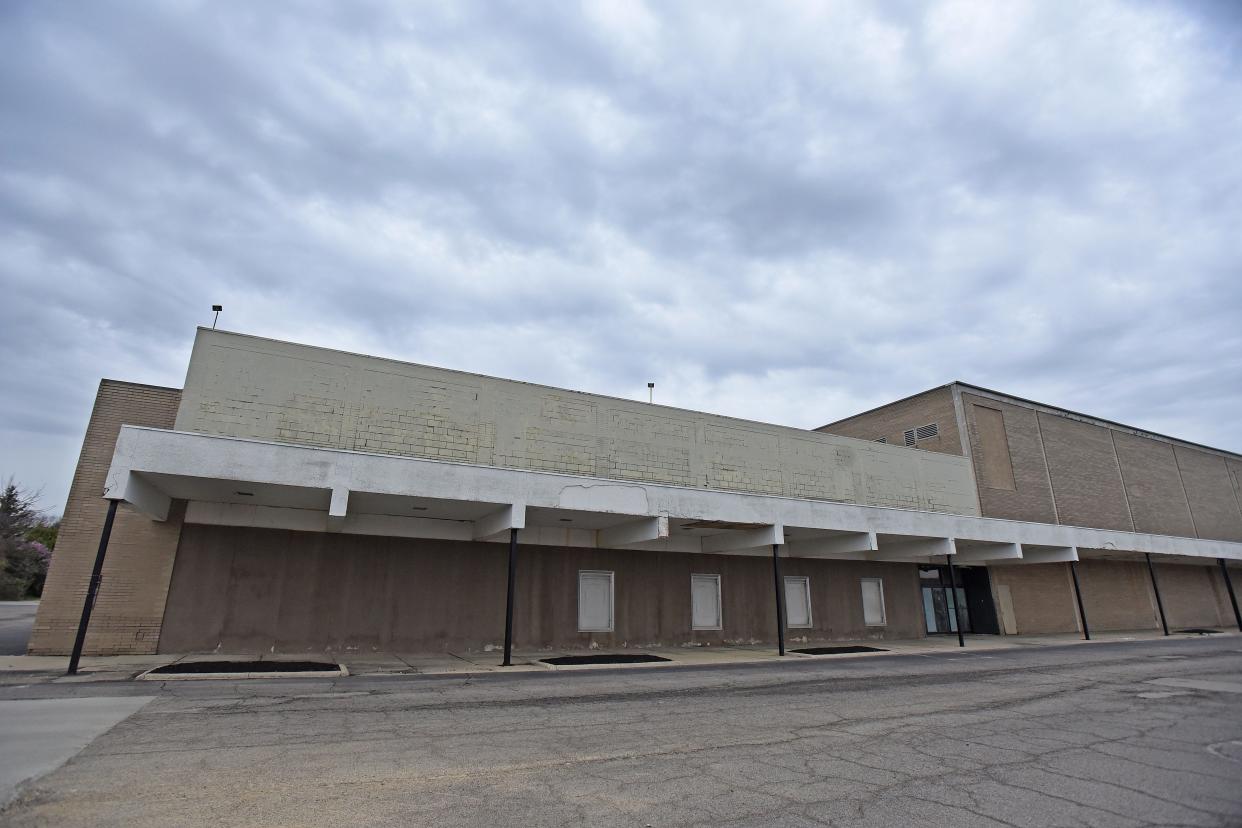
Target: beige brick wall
1118	596
892	421
1042	595
1086	481
1031	499
245	386
1104	477
1153	485
130	608
1209	487
1194	596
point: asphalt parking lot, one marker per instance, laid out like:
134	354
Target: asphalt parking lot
1107	734
16	622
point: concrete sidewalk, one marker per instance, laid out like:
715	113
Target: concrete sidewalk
40	669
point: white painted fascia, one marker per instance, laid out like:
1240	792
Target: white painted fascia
146	451
637	531
917	549
989	553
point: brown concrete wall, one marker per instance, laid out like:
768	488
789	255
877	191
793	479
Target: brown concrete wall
1042	594
252	589
1117	595
1213	502
130	605
1086	481
1194	596
892	421
1153	485
1031	499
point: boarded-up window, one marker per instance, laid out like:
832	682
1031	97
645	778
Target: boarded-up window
873	602
797	602
705	602
594	601
994	463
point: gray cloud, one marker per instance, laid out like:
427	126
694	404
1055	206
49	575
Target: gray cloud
788	212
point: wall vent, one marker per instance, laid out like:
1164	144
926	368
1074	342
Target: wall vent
927	432
910	437
882	440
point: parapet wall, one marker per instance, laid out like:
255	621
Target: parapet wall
244	386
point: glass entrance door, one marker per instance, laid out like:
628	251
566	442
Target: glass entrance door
943	607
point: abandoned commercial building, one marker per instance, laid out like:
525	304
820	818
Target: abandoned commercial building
293	498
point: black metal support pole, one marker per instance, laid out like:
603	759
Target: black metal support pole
1082	613
92	590
1151	570
780	597
509	599
957	614
1233	599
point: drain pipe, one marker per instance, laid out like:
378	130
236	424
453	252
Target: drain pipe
92	590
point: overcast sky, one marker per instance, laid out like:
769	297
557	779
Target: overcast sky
787	212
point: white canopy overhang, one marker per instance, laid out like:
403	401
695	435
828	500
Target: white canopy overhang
240	482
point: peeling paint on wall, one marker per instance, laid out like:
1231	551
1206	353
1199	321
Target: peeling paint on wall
243	386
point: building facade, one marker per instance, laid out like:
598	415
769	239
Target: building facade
1035	462
292	499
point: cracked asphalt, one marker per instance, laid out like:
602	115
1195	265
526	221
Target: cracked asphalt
1091	735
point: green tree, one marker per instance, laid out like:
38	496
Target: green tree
24	548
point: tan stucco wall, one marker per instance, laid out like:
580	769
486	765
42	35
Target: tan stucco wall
255	589
245	386
139	562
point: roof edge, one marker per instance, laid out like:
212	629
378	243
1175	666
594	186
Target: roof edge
888	404
1143	432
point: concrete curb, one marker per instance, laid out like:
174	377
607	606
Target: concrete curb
570	667
151	675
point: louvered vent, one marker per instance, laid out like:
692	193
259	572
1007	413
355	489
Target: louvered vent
882	440
910	437
927	431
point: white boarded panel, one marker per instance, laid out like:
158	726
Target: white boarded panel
873	602
594	601
797	602
705	602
